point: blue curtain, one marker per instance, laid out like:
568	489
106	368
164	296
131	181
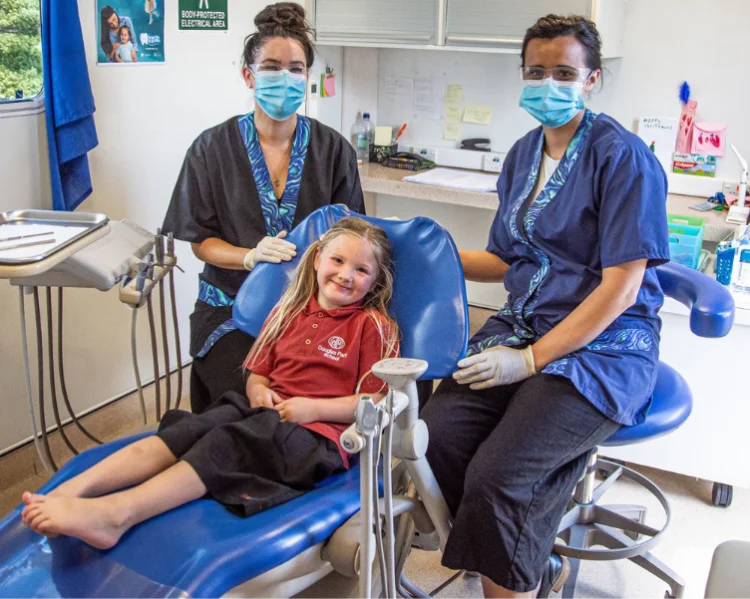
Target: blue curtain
69	104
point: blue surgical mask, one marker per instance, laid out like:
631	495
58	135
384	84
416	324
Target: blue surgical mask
553	106
279	93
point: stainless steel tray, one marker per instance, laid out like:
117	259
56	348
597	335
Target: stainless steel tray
90	220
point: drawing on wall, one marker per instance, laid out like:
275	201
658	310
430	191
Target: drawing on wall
130	32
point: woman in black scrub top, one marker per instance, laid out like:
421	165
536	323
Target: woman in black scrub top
248	181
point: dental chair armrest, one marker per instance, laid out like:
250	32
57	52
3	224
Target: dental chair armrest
710	303
354	441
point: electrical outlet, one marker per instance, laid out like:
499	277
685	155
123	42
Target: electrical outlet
493	162
730	187
424	151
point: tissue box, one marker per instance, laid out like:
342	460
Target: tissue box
694	164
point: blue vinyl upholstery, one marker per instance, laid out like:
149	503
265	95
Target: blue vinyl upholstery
711	315
201	549
429	292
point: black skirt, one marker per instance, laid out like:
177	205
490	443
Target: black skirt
248	459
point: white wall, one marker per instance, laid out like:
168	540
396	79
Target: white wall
146	118
665	43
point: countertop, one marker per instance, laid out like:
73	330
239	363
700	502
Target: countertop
389	181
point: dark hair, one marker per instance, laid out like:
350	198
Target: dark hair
105	14
285	19
126	28
581	28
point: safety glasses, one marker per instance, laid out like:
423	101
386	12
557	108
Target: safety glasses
559	76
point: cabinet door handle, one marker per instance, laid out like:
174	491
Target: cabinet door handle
478	39
337	35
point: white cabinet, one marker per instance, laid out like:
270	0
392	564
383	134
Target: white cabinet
502	22
381	22
472	25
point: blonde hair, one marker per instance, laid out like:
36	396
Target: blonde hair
304	286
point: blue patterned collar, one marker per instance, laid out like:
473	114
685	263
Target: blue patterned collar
278	215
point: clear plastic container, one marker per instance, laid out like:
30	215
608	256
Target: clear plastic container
369	133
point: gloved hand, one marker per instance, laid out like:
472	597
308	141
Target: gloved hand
498	365
270	249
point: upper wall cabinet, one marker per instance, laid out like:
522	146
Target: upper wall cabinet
378	22
471	25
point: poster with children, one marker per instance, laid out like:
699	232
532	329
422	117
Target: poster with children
130	32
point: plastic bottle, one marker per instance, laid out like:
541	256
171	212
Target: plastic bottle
369	128
359	139
355	130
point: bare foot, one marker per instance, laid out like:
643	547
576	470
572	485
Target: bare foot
94	521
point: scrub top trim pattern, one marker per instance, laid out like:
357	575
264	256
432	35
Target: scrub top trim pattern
278	215
215	297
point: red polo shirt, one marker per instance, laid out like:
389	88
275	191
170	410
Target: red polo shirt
323	354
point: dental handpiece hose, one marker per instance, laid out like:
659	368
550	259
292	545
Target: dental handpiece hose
390	562
366	423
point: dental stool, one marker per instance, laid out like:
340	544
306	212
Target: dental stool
620	528
201	549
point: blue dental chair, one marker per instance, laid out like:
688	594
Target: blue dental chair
620	528
201	549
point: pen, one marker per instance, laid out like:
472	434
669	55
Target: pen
400	133
27	245
26	236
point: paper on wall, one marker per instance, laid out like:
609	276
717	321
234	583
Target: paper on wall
452	131
399	87
428	96
660	135
482	115
454	93
452	113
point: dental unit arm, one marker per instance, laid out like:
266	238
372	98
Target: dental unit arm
405	437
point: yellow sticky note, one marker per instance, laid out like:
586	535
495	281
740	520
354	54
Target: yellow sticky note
482	115
383	136
452	113
454	93
452	131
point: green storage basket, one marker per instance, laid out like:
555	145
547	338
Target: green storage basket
685	239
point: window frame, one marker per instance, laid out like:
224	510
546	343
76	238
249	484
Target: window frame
25	106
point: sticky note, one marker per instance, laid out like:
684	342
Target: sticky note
329	85
452	113
383	136
454	93
482	115
452	131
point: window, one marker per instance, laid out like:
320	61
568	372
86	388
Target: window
20	51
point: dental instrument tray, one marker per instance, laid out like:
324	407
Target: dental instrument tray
30	236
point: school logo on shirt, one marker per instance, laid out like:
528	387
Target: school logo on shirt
336	342
333	352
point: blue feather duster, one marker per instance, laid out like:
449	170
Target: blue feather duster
684	92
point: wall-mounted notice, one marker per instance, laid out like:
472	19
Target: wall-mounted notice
482	115
203	15
129	33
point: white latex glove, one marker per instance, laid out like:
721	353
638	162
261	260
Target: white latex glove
270	249
498	365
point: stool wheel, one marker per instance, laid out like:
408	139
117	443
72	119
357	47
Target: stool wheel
721	495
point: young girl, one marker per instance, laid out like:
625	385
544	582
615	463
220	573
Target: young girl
309	365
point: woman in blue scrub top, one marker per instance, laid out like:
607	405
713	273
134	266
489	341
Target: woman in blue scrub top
573	354
248	181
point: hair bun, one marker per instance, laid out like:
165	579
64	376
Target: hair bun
284	15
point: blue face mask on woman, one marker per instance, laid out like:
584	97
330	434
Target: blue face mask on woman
553	106
279	93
